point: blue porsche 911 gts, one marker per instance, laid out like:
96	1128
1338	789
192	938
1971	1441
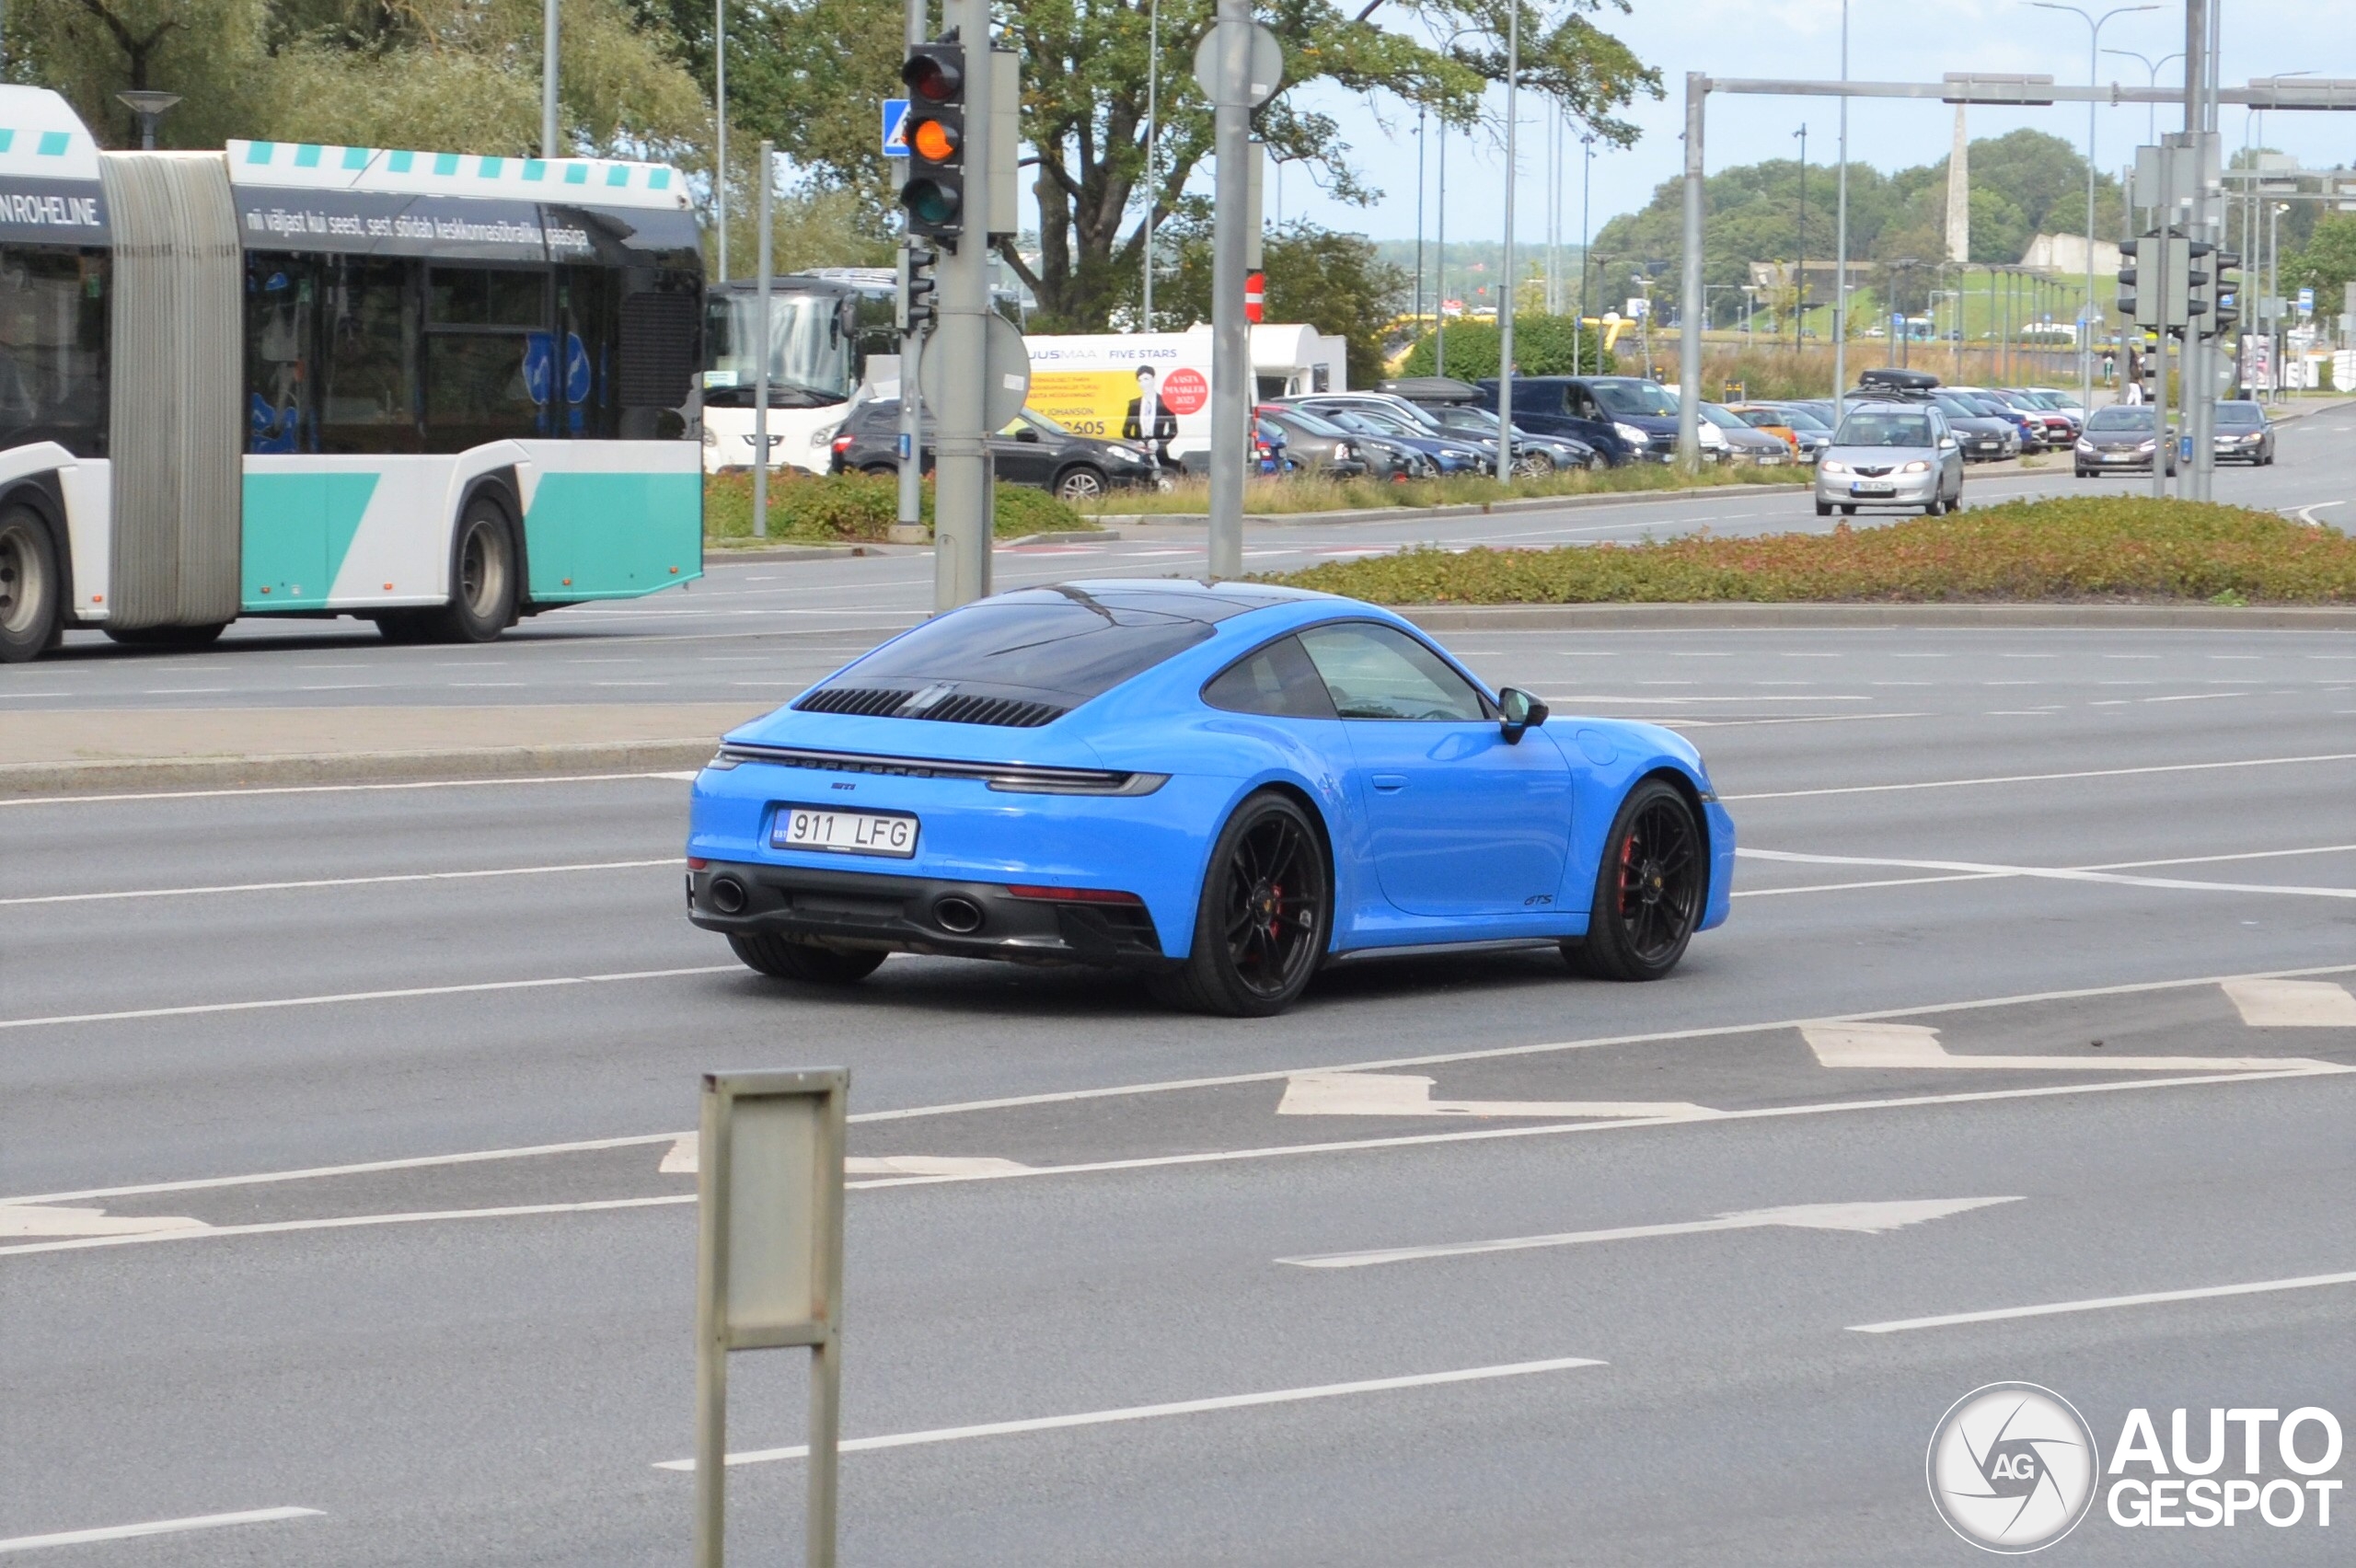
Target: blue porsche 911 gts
1222	786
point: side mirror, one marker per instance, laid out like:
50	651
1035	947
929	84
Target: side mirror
1947	444
1519	712
1027	433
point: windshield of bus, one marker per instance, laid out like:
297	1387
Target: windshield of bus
810	358
1632	397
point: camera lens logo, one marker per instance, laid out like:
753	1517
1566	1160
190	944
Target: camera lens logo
2012	1467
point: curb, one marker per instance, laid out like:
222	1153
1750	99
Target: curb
1468	509
882	547
1737	617
34	779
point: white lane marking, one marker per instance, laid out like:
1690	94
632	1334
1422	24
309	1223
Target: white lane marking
1914	1047
341	881
346	1222
683	1158
157	1526
1152	1411
2051	873
1404	1094
329	789
2104	1303
269	1004
1851	886
1869	1218
1167	1085
2041	777
2293	1004
1989	876
35	1219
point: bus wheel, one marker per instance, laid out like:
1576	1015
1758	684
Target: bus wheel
29	586
482	580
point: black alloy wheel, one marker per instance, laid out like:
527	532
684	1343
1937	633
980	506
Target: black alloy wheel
30	607
811	964
1266	916
1649	890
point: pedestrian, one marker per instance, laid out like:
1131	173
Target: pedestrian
2111	366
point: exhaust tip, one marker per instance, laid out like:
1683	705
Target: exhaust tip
956	915
728	896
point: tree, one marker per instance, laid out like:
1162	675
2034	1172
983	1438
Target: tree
1332	280
1542	346
1084	66
2326	263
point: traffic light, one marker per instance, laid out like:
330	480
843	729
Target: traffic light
914	299
2200	277
2130	303
2228	315
934	194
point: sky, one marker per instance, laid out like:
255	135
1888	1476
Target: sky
1888	40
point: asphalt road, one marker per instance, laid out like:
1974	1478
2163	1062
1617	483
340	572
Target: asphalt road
2044	879
758	631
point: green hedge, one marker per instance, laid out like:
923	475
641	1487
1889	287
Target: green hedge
2095	547
855	509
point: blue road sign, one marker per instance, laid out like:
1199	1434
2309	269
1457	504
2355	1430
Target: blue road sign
895	128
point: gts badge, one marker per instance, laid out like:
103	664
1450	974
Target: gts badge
1538	901
846	786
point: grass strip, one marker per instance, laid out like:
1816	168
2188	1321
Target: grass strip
1309	492
2124	548
849	509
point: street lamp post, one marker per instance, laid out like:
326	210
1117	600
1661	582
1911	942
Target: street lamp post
1505	305
1799	270
1153	146
547	82
2151	80
1841	242
1587	188
720	120
1419	218
150	107
2093	64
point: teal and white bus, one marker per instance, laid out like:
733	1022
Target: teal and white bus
436	391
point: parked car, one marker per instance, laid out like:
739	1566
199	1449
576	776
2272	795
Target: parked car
1532	453
1890	455
1215	787
2053	400
1728	437
1316	446
1814	431
1032	450
1985	437
2243	433
2060	429
1775	422
1626	418
2029	424
1449	455
2121	439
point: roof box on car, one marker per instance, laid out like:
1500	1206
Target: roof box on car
1896	380
1430	389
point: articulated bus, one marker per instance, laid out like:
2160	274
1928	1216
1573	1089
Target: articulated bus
435	391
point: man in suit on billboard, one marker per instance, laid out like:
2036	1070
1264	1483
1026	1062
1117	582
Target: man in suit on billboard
1150	421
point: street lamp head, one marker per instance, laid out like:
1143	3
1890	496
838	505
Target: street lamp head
141	101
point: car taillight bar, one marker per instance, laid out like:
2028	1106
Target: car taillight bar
1012	778
1074	895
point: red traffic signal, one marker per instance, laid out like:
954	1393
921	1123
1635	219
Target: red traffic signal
935	72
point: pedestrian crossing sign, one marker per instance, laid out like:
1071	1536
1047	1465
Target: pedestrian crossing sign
895	128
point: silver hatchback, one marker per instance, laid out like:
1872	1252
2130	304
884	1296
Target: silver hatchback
1890	455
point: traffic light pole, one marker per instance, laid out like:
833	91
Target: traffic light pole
2196	386
1231	334
961	471
910	513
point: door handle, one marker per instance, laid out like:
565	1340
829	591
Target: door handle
1389	783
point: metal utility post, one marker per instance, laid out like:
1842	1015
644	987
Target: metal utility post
961	471
1689	294
2162	254
1419	218
1153	146
1799	268
720	120
2093	66
764	292
1230	332
2197	387
1841	244
1439	262
1587	191
1505	305
547	82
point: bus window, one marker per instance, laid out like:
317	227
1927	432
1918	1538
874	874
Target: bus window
368	392
588	310
53	349
279	311
490	362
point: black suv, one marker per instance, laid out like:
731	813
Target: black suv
1032	450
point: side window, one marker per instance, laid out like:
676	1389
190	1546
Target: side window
369	339
279	413
53	349
1277	681
491	360
588	311
1379	672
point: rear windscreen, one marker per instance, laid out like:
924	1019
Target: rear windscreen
1063	642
